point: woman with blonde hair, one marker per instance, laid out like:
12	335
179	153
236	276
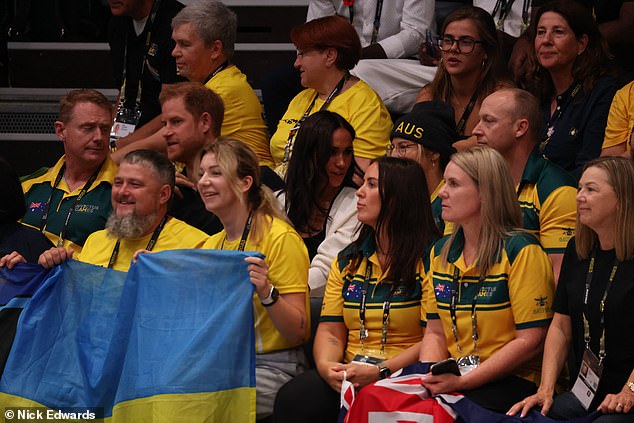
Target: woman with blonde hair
593	318
230	187
487	293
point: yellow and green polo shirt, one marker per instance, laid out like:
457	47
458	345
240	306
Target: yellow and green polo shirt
89	215
517	293
342	301
547	197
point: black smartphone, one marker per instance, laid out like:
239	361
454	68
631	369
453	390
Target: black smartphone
447	366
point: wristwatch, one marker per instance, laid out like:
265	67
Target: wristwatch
384	371
630	385
272	298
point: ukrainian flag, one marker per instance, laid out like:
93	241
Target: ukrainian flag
169	341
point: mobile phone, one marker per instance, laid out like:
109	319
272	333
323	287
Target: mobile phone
432	47
447	366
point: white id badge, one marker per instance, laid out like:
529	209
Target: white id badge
125	123
585	387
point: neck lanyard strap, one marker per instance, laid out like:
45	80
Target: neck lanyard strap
467	112
586	325
80	196
377	22
363	333
293	132
350	5
245	232
150	245
148	40
455	287
555	117
219	69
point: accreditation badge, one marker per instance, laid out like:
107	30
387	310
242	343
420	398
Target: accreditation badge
366	360
125	123
468	363
585	387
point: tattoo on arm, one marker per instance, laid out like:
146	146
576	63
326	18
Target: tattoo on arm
333	341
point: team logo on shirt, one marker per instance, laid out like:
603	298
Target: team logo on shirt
541	301
442	291
353	292
86	208
37	207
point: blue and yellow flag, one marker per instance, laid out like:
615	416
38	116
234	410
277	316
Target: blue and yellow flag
169	341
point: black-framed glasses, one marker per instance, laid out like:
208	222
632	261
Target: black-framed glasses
465	44
400	150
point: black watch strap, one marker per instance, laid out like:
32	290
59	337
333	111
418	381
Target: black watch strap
384	371
272	298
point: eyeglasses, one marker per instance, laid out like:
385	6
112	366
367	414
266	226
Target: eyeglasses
401	150
465	44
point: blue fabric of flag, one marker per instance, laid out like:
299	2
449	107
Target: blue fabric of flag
179	322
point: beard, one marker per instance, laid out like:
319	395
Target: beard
130	226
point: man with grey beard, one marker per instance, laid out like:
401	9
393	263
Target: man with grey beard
141	193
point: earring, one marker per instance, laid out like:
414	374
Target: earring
483	63
433	164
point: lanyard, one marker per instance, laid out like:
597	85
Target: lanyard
363	332
586	325
377	17
245	234
79	197
219	69
454	304
148	39
467	111
291	135
377	21
149	247
555	117
504	8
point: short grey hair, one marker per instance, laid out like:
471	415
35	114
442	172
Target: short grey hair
212	21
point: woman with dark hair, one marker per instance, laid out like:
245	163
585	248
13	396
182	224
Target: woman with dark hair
369	324
327	48
593	320
230	187
468	69
425	135
567	72
319	195
14	236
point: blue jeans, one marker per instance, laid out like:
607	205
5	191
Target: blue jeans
567	406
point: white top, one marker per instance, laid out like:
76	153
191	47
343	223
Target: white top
340	230
403	22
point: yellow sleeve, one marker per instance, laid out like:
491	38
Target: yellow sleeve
429	306
620	118
372	123
288	263
557	219
332	307
531	287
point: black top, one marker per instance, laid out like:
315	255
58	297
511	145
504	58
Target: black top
162	67
619	317
29	242
579	131
189	208
313	242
